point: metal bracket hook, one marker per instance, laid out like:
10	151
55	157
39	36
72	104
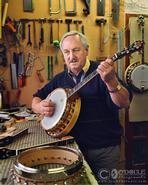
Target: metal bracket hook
50	7
70	12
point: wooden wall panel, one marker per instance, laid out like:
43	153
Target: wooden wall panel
41	10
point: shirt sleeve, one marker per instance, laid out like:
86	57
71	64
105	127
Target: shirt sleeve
45	90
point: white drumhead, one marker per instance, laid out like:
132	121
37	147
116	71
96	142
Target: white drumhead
59	97
139	77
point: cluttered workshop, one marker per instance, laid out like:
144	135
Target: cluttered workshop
55	130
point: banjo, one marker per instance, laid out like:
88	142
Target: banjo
68	102
136	74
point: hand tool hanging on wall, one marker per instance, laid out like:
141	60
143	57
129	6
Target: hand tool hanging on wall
14	82
14	71
59	21
17	35
16	61
86	10
3	57
34	35
77	23
57	47
41	21
9	32
57	42
50	67
4	15
82	29
101	23
29	43
70	12
18	26
51	21
58	10
28	5
115	11
23	22
21	70
68	22
29	65
38	71
100	7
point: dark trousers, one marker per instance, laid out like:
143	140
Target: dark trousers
103	162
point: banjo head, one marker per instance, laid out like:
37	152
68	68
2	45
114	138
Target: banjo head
137	77
59	97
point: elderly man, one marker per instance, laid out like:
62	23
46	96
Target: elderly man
97	130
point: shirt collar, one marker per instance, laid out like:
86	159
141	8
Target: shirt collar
86	66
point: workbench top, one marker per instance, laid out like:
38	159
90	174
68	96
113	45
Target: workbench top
35	137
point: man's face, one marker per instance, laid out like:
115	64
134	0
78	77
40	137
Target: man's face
74	53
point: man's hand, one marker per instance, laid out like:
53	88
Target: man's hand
107	71
108	75
47	107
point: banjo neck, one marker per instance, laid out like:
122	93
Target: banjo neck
136	46
82	83
141	24
142	30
